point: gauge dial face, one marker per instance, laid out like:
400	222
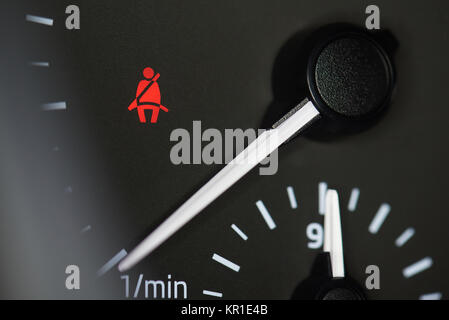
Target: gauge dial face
85	178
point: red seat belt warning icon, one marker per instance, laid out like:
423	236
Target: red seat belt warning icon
148	97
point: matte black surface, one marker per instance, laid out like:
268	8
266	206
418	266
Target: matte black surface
351	76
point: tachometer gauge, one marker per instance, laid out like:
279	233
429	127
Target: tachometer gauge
224	150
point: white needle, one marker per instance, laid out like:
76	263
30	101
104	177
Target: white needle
258	150
333	242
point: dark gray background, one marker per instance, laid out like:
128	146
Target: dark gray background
216	62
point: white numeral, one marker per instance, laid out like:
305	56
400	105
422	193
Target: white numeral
314	232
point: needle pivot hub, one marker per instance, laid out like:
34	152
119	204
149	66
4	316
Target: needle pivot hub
320	285
350	76
340	289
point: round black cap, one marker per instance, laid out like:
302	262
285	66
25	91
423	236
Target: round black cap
350	76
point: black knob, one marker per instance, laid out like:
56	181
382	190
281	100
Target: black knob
320	285
350	76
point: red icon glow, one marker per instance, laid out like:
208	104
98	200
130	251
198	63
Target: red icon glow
148	96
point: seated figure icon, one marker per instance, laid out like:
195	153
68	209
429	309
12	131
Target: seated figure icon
148	96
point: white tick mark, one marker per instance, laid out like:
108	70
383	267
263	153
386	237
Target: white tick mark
239	232
379	218
265	214
40	20
431	296
353	199
39	64
86	228
111	263
292	197
213	293
231	265
404	237
417	267
53	106
322	188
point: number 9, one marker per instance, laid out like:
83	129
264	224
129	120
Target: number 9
314	232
